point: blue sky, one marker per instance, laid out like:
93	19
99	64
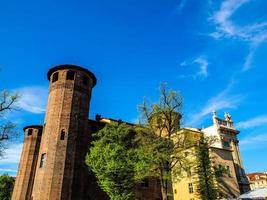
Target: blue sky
213	52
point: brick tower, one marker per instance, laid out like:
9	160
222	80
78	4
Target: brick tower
61	171
28	161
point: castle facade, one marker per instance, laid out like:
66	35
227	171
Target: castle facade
52	164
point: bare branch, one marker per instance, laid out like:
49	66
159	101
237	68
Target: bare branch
7	101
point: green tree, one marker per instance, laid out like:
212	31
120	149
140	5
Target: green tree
6	186
160	153
7	129
112	159
206	175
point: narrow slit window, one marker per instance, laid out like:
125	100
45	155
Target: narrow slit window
43	158
55	77
70	75
29	132
62	135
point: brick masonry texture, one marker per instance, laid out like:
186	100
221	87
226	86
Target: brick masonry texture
52	167
27	166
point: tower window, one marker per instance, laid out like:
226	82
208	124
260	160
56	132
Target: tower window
39	132
70	75
43	158
55	77
85	80
62	135
190	187
29	132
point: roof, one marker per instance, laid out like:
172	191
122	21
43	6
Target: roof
69	66
257	176
100	119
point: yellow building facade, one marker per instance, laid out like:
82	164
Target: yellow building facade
257	180
225	156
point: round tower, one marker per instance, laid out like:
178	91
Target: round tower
28	160
60	170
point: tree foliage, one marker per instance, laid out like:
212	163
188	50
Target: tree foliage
112	159
206	176
6	187
160	153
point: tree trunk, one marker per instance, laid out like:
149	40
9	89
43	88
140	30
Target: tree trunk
164	190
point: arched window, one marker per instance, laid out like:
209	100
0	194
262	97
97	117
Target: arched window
55	77
30	132
62	135
70	75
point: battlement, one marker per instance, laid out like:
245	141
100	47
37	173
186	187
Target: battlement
70	67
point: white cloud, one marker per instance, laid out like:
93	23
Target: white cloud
12	154
225	27
254	140
203	64
32	99
203	68
254	34
8	170
254	122
249	58
223	100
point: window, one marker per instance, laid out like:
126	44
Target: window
55	77
85	80
190	187
39	132
145	183
175	191
62	135
226	144
70	75
29	132
228	171
43	158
